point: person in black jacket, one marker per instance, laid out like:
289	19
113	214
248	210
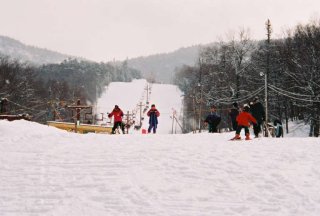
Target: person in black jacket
233	113
213	120
257	111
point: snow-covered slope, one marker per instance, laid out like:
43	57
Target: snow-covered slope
124	94
128	96
46	171
168	100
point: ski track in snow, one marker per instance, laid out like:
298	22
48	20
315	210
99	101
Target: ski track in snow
45	171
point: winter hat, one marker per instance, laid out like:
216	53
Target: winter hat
246	107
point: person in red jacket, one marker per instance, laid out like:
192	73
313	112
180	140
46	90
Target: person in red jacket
243	120
118	114
153	114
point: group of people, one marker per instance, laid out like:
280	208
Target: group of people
240	118
253	113
117	113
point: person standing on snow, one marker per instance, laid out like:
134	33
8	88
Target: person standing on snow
233	113
153	114
258	113
213	120
118	114
244	119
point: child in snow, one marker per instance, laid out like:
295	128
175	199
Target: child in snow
213	120
244	119
153	114
117	113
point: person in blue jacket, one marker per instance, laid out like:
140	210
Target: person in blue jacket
153	114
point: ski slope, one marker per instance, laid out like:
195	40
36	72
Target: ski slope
128	96
49	172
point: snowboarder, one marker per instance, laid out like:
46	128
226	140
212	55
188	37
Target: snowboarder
118	114
213	120
244	118
153	114
258	113
233	113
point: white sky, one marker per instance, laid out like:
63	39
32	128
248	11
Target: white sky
105	29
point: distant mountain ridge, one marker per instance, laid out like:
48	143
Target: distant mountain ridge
161	67
24	53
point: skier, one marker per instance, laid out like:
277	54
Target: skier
213	120
153	114
118	114
244	118
233	113
258	113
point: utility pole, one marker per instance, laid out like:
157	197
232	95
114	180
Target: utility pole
128	115
140	105
268	27
194	129
173	119
200	87
147	88
78	109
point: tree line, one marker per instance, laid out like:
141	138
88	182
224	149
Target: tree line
236	71
40	91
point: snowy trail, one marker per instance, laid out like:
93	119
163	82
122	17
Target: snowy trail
128	95
125	94
45	171
167	99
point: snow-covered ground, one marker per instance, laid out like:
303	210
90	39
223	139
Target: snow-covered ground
46	171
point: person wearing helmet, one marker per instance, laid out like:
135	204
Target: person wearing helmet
243	120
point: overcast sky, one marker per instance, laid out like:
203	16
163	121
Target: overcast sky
105	29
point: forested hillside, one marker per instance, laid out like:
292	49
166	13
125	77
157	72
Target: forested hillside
161	67
41	91
236	71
